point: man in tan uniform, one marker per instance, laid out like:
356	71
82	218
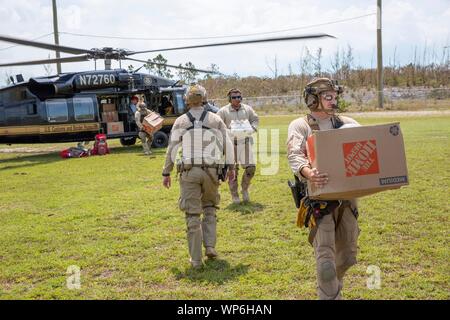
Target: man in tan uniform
237	111
145	137
206	146
334	236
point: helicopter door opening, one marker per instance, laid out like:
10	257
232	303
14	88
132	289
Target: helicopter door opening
117	119
168	105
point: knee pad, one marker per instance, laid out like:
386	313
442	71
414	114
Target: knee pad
193	222
250	171
210	211
327	271
209	214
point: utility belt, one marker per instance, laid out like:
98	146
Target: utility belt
181	166
220	170
312	211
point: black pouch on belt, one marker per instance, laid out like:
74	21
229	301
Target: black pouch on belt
298	190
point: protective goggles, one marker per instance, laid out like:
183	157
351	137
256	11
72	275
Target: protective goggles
329	97
236	97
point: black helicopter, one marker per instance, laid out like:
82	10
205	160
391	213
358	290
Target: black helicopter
72	107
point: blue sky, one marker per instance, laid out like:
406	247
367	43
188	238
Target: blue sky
406	25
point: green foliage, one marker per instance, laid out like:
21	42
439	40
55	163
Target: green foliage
187	75
157	66
110	216
343	105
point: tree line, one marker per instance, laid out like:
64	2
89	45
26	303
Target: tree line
426	69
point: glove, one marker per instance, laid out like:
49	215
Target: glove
302	214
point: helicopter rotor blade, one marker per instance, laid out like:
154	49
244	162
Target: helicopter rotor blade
47	61
43	45
172	66
287	38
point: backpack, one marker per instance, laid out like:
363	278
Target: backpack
100	145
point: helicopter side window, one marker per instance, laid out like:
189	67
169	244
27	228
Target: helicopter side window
83	109
57	110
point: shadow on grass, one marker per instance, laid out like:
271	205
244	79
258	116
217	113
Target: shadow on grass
215	271
137	149
53	156
30	161
246	207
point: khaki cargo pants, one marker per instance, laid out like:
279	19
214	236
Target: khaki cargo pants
335	251
146	139
243	156
199	194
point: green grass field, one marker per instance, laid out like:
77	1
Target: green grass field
111	217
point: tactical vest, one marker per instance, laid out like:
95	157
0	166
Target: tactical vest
195	147
193	120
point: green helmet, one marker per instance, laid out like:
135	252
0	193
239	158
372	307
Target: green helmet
314	88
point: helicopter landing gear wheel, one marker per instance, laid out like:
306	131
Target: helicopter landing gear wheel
160	139
128	141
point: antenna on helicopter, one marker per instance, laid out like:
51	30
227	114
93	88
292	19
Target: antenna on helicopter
139	68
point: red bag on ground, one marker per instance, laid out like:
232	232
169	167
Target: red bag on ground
100	145
65	154
73	153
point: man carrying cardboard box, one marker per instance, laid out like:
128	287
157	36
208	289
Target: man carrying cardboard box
333	224
145	137
235	113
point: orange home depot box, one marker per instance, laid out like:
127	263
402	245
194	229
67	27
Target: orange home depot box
114	127
108	107
152	122
359	160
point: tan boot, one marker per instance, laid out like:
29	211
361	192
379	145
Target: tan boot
210	252
245	184
194	237
196	264
234	190
245	196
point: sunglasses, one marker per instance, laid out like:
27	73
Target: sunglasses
329	97
236	97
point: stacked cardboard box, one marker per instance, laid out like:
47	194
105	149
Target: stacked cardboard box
359	161
107	107
114	127
110	116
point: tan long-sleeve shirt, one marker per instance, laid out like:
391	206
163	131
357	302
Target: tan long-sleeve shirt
298	133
